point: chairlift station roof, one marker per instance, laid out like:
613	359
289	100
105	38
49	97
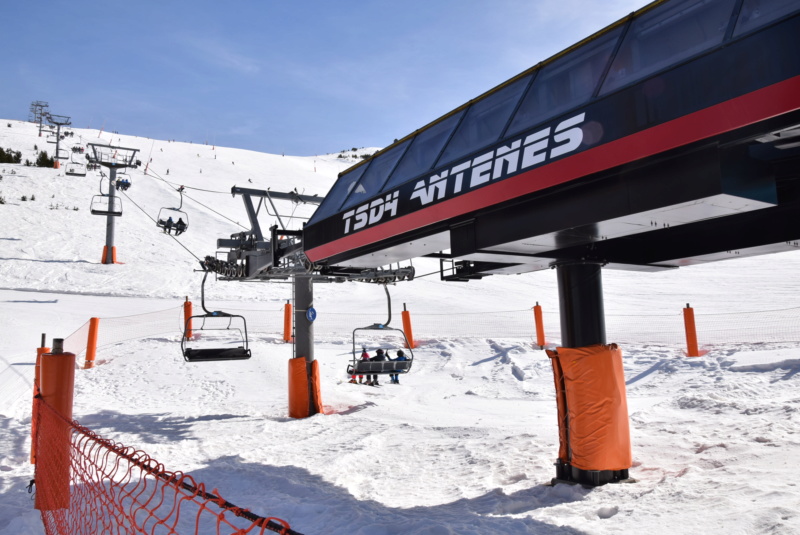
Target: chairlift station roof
670	138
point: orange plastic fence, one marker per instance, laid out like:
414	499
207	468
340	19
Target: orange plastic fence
770	326
117	489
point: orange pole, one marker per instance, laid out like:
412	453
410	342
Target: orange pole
187	319
287	322
537	316
36	381
407	327
53	457
691	332
91	343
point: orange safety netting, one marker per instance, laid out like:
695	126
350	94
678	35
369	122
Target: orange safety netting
86	484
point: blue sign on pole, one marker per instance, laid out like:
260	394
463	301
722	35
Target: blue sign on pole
311	314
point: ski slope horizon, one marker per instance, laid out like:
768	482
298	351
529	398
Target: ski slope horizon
463	445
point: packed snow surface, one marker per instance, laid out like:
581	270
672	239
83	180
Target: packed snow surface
464	445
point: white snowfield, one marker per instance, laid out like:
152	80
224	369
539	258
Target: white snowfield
464	445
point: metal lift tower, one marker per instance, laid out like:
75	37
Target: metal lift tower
38	111
112	158
59	121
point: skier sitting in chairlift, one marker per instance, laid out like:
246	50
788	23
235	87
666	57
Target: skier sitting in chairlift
395	377
379	357
168	225
364	356
180	227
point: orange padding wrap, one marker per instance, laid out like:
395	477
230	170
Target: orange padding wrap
113	255
590	382
299	403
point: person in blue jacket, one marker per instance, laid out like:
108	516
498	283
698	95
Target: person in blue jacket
395	377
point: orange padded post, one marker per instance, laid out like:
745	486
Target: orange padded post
298	388
537	317
36	381
113	255
187	318
691	332
304	389
91	343
287	322
315	388
407	327
592	405
53	458
56	164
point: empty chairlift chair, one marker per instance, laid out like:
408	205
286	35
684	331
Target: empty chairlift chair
75	169
101	206
207	347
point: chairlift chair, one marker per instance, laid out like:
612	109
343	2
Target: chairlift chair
100	205
214	321
75	169
176	214
368	367
122	176
165	213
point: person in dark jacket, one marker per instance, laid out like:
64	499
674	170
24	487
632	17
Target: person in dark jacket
379	357
180	227
395	377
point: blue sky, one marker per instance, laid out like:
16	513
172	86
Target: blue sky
299	78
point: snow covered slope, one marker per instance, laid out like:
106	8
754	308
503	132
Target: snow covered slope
463	446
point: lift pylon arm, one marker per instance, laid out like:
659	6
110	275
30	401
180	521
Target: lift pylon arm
291	196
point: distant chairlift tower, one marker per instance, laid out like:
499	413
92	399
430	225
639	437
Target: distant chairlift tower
112	158
59	121
39	110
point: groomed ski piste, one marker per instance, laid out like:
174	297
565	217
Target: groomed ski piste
464	445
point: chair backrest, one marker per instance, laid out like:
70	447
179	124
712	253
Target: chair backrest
386	366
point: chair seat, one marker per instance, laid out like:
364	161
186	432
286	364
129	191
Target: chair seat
213	354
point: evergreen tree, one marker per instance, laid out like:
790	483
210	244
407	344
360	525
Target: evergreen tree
44	161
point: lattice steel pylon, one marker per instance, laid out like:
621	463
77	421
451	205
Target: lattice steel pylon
59	121
112	158
38	113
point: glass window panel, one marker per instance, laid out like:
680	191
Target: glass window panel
757	13
484	122
667	35
338	193
565	83
425	147
372	180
